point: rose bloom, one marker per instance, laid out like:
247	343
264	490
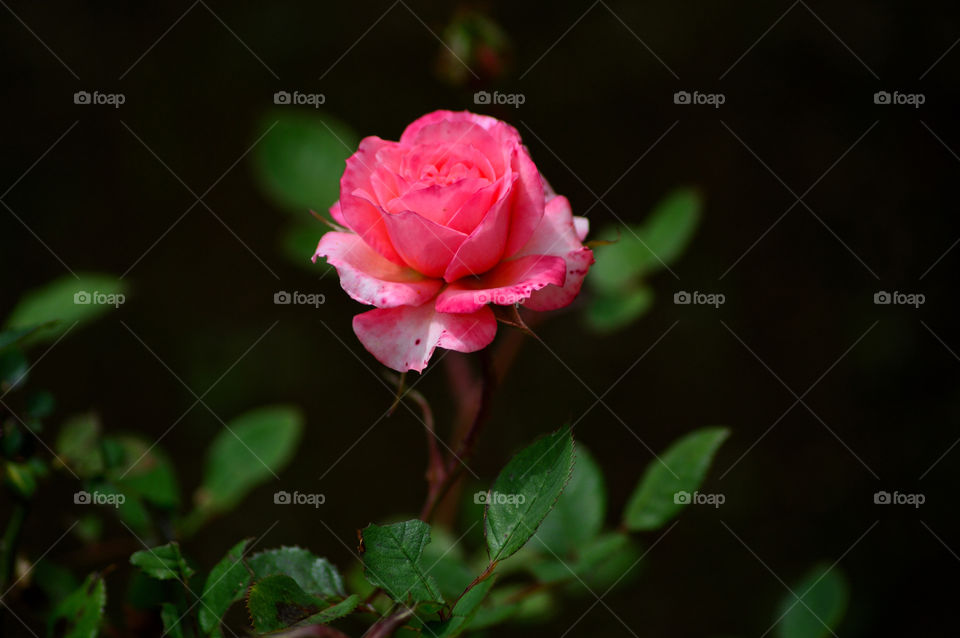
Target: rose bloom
438	226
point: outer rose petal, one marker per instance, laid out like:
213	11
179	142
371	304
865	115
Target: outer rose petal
405	337
527	203
559	233
425	246
510	282
361	215
413	129
370	278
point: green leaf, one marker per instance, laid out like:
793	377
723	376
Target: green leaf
163	563
250	450
66	301
644	249
525	491
143	469
446	564
579	512
299	242
392	559
11	337
341	609
14	369
314	575
824	593
463	613
276	602
611	311
78	445
681	468
300	161
172	621
79	614
226	584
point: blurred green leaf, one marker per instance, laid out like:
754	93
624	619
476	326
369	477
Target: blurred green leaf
578	515
681	468
463	613
11	337
63	301
611	311
300	161
226	584
299	243
446	563
55	581
143	469
78	445
250	450
644	249
40	404
22	478
79	614
314	575
14	368
823	595
393	559
173	621
525	491
277	602
163	563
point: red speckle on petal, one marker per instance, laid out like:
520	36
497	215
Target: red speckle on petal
417	342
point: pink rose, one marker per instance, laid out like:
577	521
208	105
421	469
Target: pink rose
448	220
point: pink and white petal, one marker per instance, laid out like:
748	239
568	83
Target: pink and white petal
528	199
337	215
582	226
578	262
483	249
405	337
414	128
511	282
560	234
425	246
557	233
370	278
358	206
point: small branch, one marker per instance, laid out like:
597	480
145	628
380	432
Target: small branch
387	626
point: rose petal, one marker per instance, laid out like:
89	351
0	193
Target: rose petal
559	234
405	337
411	132
357	202
425	246
483	249
510	282
370	278
527	202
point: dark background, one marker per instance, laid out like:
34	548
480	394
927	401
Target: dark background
880	417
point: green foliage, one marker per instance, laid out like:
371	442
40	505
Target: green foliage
172	619
139	468
529	485
818	606
163	563
226	584
79	614
681	468
250	450
463	612
620	296
393	559
78	445
278	602
51	310
316	576
579	512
